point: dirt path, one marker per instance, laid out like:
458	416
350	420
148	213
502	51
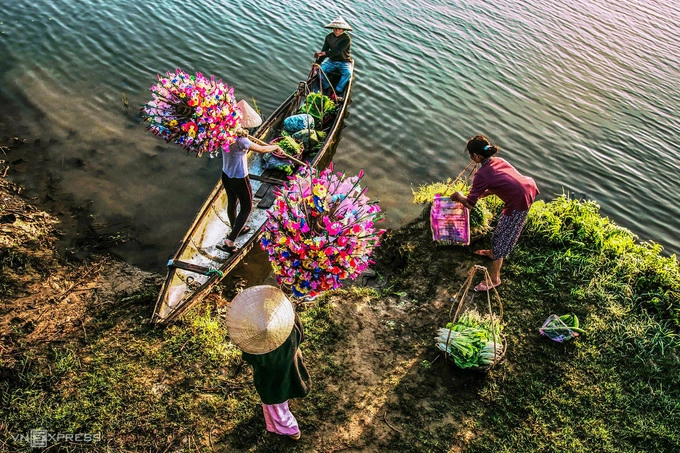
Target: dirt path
391	383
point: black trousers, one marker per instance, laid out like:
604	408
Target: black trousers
239	193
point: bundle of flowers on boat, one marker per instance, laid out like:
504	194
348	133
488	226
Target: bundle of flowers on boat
321	231
198	113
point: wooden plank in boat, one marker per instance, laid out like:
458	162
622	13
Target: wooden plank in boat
268	198
192	267
262	191
265	191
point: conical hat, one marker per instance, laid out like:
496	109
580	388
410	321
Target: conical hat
339	22
250	116
260	319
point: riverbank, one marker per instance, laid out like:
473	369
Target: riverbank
79	355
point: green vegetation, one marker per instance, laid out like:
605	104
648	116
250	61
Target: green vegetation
617	388
377	374
319	106
289	146
140	387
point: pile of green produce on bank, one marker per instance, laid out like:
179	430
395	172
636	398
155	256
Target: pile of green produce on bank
473	341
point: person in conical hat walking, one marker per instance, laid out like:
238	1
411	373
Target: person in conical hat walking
262	322
335	55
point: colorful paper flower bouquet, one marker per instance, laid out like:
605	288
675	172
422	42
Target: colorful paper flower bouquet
321	231
198	113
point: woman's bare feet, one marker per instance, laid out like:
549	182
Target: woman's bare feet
482	287
487	253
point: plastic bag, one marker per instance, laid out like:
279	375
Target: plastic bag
296	123
450	221
555	329
308	137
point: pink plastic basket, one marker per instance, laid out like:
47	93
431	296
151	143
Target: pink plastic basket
450	221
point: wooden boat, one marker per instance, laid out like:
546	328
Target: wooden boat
198	264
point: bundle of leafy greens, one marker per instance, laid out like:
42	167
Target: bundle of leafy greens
319	106
473	341
290	146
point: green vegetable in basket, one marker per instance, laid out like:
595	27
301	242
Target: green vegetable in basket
490	353
472	341
318	105
289	146
461	347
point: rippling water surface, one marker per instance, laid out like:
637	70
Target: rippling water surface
581	95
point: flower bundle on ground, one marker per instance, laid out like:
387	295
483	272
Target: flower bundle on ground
198	113
321	231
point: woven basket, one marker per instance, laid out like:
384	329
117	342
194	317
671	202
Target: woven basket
285	156
463	301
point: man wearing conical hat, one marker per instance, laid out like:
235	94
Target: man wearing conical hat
335	55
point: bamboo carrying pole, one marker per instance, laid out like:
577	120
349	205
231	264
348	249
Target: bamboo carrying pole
260	142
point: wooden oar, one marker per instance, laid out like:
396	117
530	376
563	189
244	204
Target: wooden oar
267	180
260	142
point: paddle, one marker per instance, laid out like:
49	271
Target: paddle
267	180
260	142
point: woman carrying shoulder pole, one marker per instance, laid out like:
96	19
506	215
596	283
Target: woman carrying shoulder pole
235	177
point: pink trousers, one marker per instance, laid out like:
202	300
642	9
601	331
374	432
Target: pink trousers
279	419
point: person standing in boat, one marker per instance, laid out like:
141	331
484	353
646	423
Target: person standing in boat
235	177
497	177
335	56
263	323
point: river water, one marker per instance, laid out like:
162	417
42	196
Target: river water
581	95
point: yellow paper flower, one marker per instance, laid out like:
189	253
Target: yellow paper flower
320	191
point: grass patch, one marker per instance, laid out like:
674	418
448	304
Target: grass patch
378	381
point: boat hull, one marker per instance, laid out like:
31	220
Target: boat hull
198	265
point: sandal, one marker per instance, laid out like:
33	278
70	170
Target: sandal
227	248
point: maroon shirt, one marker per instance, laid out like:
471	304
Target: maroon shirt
496	176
